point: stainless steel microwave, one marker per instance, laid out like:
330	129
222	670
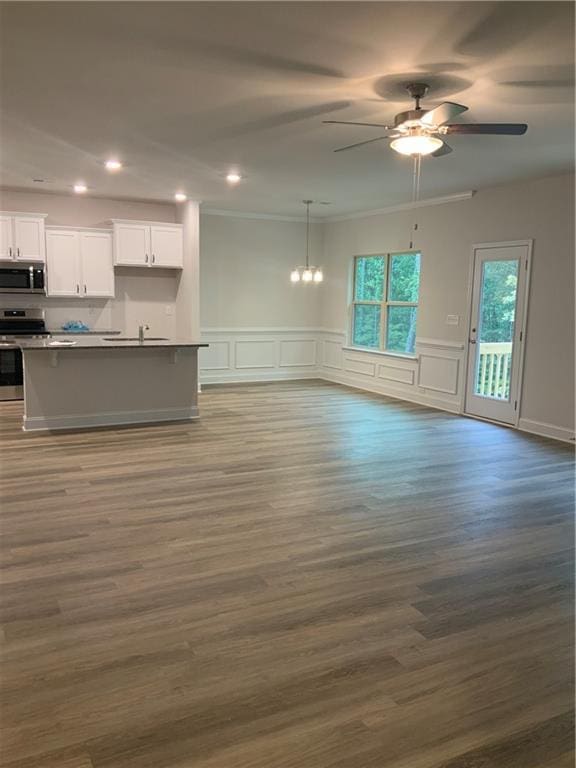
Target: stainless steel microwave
22	279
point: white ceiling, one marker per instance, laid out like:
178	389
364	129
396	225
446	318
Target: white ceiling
184	91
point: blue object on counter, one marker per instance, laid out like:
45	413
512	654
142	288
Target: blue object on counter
75	326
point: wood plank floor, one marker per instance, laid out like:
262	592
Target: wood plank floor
308	577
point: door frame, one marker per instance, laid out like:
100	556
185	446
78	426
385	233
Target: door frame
529	243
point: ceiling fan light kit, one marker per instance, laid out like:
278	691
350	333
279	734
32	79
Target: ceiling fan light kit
415	132
307	273
417	144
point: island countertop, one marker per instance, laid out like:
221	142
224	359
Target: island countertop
99	343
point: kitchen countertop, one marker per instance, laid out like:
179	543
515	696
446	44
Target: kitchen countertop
96	342
60	332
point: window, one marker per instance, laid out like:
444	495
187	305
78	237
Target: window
385	302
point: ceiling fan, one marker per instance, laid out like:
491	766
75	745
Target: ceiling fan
418	131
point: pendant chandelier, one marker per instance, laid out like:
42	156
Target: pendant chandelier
307	273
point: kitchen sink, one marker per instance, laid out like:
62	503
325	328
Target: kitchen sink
134	338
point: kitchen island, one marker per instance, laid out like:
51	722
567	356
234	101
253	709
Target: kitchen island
95	382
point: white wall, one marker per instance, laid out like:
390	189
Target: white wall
259	325
541	209
142	296
245	267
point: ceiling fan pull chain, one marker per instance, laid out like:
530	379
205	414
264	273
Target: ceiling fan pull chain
415	194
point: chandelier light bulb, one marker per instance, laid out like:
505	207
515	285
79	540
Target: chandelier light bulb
318	276
416	145
295	276
307	276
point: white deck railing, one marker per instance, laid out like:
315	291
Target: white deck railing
494	369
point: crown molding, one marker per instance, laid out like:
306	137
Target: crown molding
404	206
342	217
254	215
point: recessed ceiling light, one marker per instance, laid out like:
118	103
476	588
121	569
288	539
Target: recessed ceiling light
113	165
233	177
180	197
80	188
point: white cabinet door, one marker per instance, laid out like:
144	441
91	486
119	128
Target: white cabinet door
6	239
29	238
63	263
131	245
166	245
97	269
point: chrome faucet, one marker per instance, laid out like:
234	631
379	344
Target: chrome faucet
141	330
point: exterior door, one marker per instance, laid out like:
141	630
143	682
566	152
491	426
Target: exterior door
497	329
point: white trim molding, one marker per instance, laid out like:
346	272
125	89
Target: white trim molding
404	206
440	200
115	418
547	430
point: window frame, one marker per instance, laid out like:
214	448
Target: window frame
384	304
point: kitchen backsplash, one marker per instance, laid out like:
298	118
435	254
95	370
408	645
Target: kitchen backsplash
96	313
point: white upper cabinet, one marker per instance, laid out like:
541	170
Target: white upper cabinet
6	238
97	266
166	245
62	262
131	244
147	244
22	237
79	263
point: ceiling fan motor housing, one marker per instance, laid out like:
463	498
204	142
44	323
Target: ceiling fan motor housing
409	119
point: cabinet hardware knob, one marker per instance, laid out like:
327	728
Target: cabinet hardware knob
146	260
10	251
153	259
77	288
84	289
17	253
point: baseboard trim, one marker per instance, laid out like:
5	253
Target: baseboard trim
119	418
235	377
546	430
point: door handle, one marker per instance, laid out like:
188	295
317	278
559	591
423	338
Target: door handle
84	290
17	253
146	258
77	288
153	259
10	252
472	341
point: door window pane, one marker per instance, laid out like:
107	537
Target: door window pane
404	277
401	329
366	330
369	278
496	329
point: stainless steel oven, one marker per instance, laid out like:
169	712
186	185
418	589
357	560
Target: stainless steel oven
11	374
22	279
16	324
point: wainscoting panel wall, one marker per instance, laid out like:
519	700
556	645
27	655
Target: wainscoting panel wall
429	377
435	376
256	354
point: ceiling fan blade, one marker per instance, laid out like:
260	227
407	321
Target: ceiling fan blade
448	110
360	143
499	129
368	125
445	149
